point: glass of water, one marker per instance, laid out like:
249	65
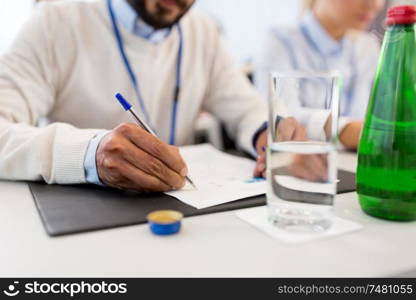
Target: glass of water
301	162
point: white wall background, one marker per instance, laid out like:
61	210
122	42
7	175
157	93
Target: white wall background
13	14
244	21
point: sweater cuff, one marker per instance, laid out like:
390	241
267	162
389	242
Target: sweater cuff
69	155
90	163
263	128
256	135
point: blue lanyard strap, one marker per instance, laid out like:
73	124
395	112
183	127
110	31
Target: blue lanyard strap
134	80
177	88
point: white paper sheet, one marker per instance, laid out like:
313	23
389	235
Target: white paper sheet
257	217
219	177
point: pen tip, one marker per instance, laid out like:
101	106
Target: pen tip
191	182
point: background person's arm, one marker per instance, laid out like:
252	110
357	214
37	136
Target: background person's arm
368	50
278	54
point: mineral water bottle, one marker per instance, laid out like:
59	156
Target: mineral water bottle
386	175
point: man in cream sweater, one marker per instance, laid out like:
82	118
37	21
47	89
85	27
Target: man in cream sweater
72	57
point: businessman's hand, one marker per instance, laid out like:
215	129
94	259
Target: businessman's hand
131	158
287	130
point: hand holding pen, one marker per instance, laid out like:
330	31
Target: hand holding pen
131	158
128	107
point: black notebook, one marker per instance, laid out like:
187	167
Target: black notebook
73	209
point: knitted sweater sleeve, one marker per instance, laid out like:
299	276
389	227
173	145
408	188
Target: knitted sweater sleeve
28	92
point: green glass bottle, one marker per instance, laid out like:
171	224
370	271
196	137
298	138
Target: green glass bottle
386	174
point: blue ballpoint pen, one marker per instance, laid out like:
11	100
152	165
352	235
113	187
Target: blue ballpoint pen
128	107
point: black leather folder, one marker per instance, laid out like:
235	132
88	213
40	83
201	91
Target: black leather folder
73	209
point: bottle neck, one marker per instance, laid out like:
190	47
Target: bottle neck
401	27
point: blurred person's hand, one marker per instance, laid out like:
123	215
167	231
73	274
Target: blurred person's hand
287	129
131	158
350	135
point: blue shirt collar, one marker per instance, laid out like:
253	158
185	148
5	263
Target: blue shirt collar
131	21
324	43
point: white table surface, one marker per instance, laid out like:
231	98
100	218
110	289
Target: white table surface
211	245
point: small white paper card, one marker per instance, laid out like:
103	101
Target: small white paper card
257	217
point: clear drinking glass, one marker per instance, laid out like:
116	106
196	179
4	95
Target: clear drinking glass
301	163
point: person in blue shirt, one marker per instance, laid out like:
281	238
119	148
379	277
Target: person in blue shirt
331	35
